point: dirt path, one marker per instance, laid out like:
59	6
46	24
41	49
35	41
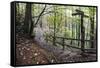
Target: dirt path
28	52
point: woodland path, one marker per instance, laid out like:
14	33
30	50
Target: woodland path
31	51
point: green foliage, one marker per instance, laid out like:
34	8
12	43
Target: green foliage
66	25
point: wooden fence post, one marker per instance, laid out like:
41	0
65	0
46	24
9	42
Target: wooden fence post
63	43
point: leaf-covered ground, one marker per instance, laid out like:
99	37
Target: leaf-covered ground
28	52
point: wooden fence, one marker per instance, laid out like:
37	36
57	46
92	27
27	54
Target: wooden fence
63	44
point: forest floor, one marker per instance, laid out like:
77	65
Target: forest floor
29	51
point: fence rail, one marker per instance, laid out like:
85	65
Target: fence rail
63	44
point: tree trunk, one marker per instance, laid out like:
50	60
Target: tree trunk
82	34
28	18
92	32
31	22
54	27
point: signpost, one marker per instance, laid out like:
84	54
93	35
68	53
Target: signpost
82	15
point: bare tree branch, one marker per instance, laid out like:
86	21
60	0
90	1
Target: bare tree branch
40	15
45	13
